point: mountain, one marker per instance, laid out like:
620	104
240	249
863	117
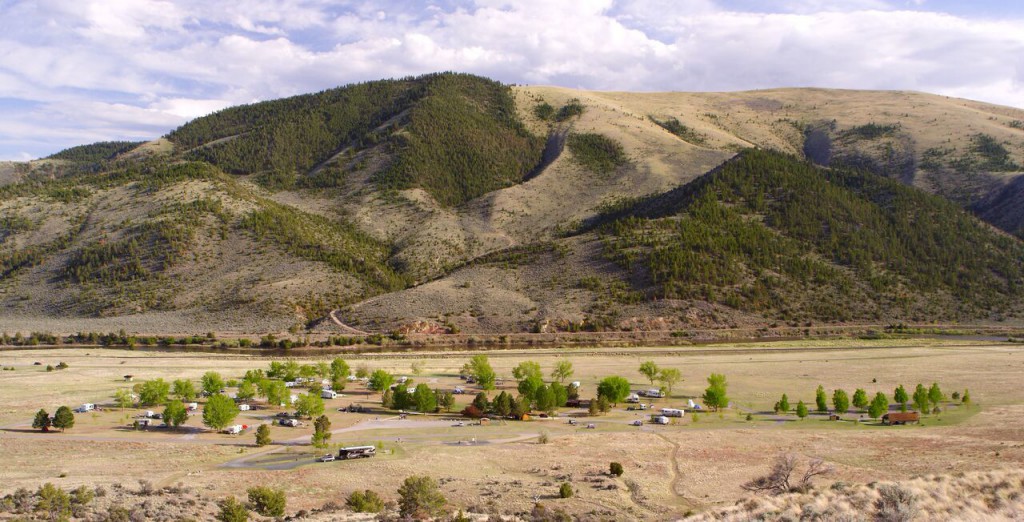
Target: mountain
451	202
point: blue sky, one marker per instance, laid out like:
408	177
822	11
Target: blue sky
80	71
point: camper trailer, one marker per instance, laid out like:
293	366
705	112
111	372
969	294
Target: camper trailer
659	419
85	407
672	412
328	394
633	398
357	452
233	430
654	393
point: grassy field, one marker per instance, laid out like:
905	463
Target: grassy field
670	470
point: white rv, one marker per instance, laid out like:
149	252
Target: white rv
233	430
672	412
328	394
633	398
659	419
85	407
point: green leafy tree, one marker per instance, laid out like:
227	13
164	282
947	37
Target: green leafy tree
362	372
231	510
321	431
380	380
212	383
801	409
527	369
563	371
519	408
246	391
841	401
63	418
603	404
445	399
263	435
715	394
860	399
503	404
219	411
613	388
879	406
820	399
901	397
175	413
935	395
966	399
481	402
323	370
481	369
544	399
424	399
921	398
784	404
403	399
309	405
365	502
560	394
254	376
420	498
387	399
339	374
529	385
42	421
669	377
274	390
54	503
184	390
154	392
650	370
267	501
124	398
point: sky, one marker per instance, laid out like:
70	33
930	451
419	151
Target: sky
79	71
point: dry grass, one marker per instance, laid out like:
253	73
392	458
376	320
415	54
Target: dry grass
669	469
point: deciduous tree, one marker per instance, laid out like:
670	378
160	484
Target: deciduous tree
650	370
715	394
219	411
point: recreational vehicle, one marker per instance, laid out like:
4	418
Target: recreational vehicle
356	452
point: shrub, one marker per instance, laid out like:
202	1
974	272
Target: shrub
232	510
419	497
895	504
267	501
565	491
365	502
616	469
543	438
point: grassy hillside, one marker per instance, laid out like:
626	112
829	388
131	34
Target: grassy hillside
772	234
178	237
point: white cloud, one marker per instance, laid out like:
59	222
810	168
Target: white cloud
115	68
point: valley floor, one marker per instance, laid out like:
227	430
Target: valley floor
693	465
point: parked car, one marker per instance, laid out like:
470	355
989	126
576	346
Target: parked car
327	458
637	423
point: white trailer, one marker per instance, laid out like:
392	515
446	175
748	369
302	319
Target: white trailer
85	407
328	394
233	430
244	407
672	412
659	419
633	398
655	393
